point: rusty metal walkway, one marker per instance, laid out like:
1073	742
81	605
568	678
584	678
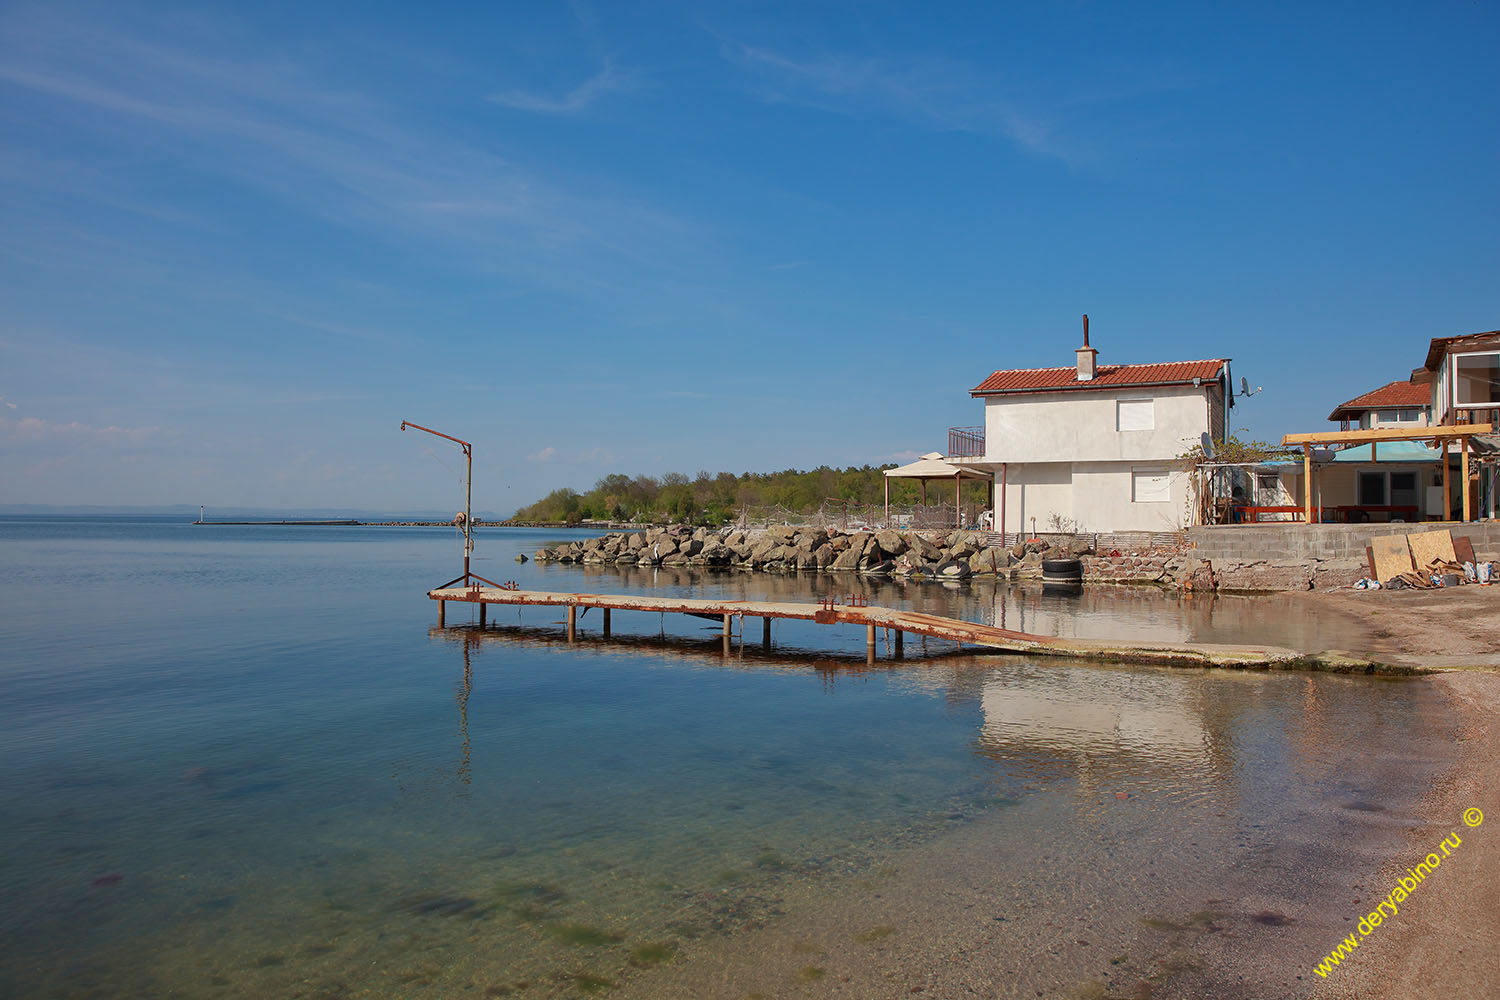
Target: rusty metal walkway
873	618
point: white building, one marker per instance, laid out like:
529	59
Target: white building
1094	447
1395	404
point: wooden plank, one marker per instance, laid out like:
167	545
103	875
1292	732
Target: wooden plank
1385	434
1392	556
1463	449
1429	545
1370	557
1463	548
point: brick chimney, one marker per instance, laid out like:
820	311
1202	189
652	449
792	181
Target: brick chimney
1087	356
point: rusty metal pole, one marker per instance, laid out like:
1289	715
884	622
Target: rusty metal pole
469	515
606	623
900	636
482	609
468	486
572	622
442	612
765	632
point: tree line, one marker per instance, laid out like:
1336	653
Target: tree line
710	499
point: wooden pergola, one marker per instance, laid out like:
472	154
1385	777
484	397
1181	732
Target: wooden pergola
1439	435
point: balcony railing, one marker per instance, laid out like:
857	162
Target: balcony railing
966	442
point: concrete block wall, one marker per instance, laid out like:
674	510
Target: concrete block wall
1301	542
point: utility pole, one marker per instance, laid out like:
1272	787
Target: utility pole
468	487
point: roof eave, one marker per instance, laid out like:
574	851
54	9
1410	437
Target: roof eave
1089	386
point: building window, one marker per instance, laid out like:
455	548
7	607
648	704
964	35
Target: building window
1372	489
1150	486
1404	489
1476	379
1136	414
1267	487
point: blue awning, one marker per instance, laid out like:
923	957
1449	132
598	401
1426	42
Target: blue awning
1392	452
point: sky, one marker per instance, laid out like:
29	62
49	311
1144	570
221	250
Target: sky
240	243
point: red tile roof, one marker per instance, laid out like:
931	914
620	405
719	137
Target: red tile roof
1105	377
1393	394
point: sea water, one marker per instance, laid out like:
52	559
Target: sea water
244	761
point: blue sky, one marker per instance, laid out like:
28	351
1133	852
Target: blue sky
239	244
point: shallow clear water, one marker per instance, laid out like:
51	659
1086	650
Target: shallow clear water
242	761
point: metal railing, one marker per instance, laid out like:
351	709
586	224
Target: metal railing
966	442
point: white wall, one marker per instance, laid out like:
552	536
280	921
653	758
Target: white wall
1097	496
1081	426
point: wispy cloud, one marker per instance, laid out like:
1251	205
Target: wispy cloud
37	429
275	124
8	404
546	454
936	93
607	81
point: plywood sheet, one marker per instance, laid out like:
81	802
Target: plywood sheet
1464	549
1392	556
1429	545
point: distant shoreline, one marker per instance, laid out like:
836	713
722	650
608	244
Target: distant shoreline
349	523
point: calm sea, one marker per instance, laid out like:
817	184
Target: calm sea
242	761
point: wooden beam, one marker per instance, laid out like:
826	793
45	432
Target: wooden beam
1463	450
1447	500
1307	483
1385	434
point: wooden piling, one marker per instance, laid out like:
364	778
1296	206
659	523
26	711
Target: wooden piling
442	613
572	622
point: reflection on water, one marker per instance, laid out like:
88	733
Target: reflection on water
1148	614
279	788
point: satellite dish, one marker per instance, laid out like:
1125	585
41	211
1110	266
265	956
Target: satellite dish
1244	386
1208	445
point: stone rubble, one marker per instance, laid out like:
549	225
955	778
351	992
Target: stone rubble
935	555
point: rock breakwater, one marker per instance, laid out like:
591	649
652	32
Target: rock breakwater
925	555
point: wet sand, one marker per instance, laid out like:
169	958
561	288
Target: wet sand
1451	627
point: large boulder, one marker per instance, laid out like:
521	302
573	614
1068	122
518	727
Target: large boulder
823	555
847	560
891	542
782	533
923	548
964	544
882	568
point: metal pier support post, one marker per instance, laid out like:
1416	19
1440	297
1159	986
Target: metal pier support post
482	609
606	623
726	626
899	637
765	632
442	613
572	622
870	637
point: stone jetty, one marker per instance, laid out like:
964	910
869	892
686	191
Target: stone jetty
924	555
